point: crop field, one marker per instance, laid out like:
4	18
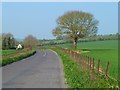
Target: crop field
103	50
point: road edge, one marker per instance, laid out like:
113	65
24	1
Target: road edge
62	70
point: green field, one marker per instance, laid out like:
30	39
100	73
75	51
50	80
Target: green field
7	52
103	50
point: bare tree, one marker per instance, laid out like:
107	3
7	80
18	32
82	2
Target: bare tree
30	41
76	24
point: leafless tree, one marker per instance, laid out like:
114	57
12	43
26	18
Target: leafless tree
30	41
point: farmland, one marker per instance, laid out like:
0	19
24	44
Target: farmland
103	50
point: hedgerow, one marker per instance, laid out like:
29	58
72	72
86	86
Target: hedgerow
16	57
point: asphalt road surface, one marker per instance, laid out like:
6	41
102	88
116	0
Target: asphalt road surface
42	70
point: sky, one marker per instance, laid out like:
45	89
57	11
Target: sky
0	17
39	18
60	0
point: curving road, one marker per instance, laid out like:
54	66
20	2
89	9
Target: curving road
42	70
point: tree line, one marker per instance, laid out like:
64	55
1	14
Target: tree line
102	37
9	41
64	40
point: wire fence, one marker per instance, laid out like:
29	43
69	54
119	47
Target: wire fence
89	62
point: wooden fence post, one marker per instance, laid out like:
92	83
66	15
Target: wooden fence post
90	63
88	60
77	57
98	66
106	72
74	54
93	64
81	58
70	52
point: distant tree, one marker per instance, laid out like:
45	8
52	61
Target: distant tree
8	41
59	37
57	33
76	24
30	41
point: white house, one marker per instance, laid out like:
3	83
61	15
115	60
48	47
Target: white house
19	46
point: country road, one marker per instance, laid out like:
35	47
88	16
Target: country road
42	70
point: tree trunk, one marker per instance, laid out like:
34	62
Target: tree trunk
75	37
75	43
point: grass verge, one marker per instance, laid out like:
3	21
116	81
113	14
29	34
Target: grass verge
16	56
78	76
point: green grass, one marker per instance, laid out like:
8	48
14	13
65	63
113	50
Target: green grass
103	50
7	52
78	76
10	56
108	44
